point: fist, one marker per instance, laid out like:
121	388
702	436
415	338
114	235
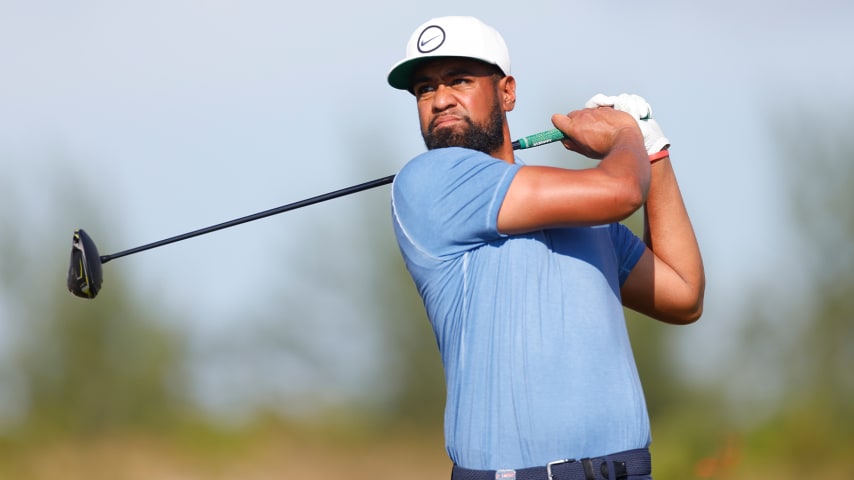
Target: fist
653	137
593	132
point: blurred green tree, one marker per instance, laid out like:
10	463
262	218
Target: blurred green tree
791	393
98	366
816	154
81	366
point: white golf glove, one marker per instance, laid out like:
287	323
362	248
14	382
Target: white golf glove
653	137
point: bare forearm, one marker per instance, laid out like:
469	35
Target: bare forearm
669	234
547	197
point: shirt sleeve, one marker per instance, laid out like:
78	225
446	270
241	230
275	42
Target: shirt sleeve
447	200
629	248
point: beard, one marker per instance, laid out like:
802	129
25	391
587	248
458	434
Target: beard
487	138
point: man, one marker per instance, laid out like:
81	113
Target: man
524	270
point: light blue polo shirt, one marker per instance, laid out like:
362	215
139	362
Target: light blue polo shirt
530	327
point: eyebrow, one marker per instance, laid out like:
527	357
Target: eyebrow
454	72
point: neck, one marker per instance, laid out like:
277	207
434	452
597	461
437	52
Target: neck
505	152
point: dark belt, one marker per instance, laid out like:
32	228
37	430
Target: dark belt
609	467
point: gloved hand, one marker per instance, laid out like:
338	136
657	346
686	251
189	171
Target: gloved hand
653	137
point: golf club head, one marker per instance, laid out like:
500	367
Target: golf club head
84	269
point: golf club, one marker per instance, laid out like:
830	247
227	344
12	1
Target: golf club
84	270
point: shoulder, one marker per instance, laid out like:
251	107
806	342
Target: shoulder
449	167
441	159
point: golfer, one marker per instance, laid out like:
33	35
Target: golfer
524	270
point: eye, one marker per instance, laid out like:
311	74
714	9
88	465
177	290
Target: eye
423	89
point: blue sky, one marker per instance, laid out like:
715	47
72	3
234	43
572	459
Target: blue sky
189	113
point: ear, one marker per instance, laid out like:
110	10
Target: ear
507	92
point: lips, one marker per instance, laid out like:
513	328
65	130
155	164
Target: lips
444	121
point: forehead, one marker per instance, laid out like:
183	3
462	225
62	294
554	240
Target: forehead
446	66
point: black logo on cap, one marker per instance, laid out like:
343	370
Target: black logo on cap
431	38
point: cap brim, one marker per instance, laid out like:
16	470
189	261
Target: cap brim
400	76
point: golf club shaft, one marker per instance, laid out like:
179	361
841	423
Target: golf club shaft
526	142
256	216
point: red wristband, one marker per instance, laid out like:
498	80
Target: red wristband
658	156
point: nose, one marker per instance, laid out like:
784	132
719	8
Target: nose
443	98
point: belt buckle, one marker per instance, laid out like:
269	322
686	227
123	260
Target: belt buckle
557	462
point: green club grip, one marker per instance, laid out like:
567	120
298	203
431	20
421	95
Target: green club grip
538	139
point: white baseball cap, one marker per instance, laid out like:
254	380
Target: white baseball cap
450	37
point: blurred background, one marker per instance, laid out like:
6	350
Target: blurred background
297	345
